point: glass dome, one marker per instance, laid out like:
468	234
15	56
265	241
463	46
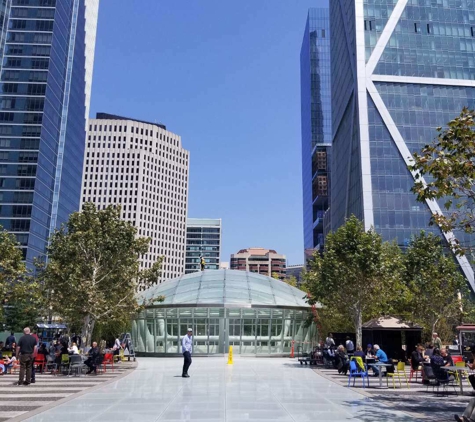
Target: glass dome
228	288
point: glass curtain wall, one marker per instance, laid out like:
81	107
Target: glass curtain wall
262	331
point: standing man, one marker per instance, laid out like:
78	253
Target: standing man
202	263
436	341
9	341
187	348
26	350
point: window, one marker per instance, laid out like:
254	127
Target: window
417	27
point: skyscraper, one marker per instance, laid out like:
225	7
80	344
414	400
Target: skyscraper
47	56
142	167
316	124
261	261
399	70
203	238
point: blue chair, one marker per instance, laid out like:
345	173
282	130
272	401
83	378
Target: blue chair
357	372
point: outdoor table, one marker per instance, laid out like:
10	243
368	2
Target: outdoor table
381	364
456	369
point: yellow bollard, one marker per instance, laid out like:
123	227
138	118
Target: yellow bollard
230	355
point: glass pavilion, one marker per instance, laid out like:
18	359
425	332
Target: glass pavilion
255	314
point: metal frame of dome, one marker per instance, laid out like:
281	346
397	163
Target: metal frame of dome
225	288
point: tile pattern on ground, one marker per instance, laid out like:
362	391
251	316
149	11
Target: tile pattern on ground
16	400
253	389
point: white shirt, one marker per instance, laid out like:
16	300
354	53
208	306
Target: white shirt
73	349
187	344
117	344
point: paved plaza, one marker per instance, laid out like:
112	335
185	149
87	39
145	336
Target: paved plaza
253	389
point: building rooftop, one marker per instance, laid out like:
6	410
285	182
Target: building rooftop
107	116
226	288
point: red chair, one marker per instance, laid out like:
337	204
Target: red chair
40	362
414	371
457	359
108	360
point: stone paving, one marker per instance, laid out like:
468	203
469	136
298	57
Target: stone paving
253	389
17	401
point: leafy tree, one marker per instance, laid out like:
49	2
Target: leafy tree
94	269
438	289
291	281
358	276
449	163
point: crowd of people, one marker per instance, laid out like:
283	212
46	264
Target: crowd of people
26	350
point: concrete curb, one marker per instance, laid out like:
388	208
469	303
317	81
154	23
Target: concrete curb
39	410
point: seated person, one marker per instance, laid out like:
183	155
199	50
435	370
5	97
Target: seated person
341	360
43	350
369	351
381	356
359	353
73	350
447	357
92	360
417	357
437	362
8	363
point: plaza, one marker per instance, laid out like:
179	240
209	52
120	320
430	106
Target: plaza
252	389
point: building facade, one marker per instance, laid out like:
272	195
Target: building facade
315	85
399	70
142	167
203	239
47	56
259	260
295	271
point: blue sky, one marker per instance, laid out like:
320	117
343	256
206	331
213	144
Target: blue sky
225	76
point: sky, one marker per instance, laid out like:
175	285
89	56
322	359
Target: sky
225	76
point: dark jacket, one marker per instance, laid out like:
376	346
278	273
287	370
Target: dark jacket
416	359
94	354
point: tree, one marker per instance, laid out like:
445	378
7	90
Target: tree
94	269
358	276
438	288
12	267
449	161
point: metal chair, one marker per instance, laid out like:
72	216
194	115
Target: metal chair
357	372
399	373
76	364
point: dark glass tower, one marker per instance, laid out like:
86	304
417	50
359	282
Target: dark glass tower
46	67
400	69
316	124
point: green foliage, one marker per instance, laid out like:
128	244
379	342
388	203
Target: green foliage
449	161
94	269
438	289
291	281
359	274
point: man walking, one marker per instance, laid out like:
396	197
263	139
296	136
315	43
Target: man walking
26	350
187	347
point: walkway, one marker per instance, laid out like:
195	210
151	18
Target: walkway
253	389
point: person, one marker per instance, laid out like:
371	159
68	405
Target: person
9	362
455	341
417	357
43	350
329	342
25	352
73	350
359	353
117	347
202	263
77	339
436	363
91	361
2	365
436	341
187	348
10	341
381	356
341	360
350	347
448	361
468	414
369	351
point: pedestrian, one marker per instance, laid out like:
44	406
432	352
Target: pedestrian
436	341
329	342
202	263
187	348
25	351
10	341
117	348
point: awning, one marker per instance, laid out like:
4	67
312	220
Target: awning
54	326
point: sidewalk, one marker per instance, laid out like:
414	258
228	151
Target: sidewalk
17	401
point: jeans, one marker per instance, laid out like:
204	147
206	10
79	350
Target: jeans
187	362
26	365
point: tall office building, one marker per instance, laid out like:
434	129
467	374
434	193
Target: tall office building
316	124
47	56
261	261
203	239
142	167
399	70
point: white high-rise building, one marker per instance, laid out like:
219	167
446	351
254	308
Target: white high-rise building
143	168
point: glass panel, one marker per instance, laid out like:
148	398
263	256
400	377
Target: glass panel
172	337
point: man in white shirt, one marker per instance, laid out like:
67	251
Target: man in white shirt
187	348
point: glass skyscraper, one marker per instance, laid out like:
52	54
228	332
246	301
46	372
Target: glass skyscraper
316	124
399	69
203	239
47	55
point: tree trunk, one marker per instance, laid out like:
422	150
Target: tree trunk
358	326
87	329
433	326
